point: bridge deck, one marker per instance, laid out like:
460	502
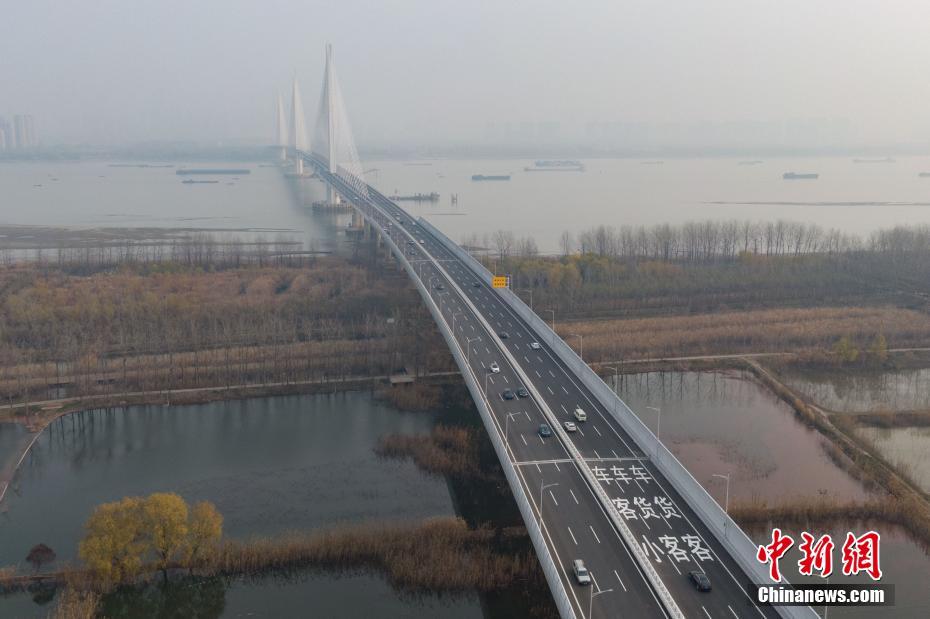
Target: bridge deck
574	521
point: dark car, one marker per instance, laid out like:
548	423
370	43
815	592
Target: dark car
476	284
700	581
523	393
503	335
439	287
544	430
507	394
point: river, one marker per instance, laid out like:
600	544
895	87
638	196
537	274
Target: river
538	204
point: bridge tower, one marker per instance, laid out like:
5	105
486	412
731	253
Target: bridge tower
298	127
280	127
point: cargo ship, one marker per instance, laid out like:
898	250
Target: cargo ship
556	166
191	181
417	197
794	176
490	177
236	171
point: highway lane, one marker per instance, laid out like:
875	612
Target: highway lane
671	535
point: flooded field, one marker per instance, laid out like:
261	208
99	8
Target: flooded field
864	391
906	448
721	423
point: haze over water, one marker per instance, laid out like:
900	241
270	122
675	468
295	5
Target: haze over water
540	204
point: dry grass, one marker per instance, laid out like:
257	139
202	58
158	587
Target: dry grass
775	330
895	419
436	555
445	451
415	397
74	604
820	514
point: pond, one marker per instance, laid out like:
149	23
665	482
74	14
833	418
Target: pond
269	464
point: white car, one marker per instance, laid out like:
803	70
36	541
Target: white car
494	367
422	242
570	426
580	415
535	345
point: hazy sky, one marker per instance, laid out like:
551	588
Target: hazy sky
127	70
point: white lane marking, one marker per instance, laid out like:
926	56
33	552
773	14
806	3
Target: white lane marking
702	608
506	380
538	469
580	431
539	358
594	533
488	350
733	612
573	496
620	581
524	440
553	498
551	373
614	452
491	378
572	534
563	408
528	418
564	389
557	467
596	430
551	392
541	439
525	359
483	365
538	374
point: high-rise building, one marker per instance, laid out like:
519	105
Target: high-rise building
24	133
6	136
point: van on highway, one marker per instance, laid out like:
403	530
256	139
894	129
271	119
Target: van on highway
581	572
580	415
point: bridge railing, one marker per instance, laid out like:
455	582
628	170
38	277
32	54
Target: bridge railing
718	522
549	567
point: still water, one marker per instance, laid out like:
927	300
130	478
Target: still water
538	204
270	465
725	423
624	191
864	391
906	448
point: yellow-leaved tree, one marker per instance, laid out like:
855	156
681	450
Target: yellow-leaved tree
164	522
114	543
123	538
204	531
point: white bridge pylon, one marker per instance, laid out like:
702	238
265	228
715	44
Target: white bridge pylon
332	135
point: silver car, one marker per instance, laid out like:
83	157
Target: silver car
581	572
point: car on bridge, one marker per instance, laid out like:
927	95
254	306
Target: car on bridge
476	284
581	572
544	430
570	426
580	415
535	345
700	581
503	335
494	367
439	286
523	393
508	394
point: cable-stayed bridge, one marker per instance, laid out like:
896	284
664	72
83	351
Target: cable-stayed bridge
606	492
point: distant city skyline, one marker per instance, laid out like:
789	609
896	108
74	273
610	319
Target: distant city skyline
18	135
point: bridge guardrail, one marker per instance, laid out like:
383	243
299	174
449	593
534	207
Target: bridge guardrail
652	576
550	570
718	522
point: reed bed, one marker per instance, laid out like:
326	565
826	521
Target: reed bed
435	555
446	450
770	330
417	397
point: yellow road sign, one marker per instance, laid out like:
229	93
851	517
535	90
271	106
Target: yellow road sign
499	281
